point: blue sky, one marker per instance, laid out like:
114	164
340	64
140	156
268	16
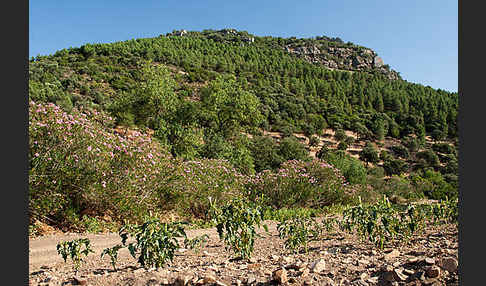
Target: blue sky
417	38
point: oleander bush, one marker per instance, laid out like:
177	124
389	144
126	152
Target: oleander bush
77	164
296	183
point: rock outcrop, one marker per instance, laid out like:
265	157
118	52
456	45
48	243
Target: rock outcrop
343	58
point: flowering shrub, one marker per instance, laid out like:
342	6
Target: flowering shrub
202	179
77	164
300	184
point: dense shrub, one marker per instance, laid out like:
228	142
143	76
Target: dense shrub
340	135
352	169
313	141
77	164
201	179
430	158
394	166
433	185
342	146
265	153
400	151
291	149
369	154
300	184
444	148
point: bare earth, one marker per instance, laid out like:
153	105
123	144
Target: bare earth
346	261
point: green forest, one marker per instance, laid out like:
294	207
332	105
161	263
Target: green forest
162	124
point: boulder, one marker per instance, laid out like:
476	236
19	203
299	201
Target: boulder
280	275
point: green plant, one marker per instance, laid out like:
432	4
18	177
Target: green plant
236	222
196	243
444	211
156	242
298	232
113	253
377	223
73	249
91	224
329	223
414	219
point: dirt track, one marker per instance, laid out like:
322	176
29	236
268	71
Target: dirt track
42	250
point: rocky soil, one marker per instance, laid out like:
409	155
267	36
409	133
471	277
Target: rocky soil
430	258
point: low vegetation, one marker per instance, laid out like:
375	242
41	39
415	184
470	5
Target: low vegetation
75	250
379	223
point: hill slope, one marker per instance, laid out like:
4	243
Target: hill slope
197	93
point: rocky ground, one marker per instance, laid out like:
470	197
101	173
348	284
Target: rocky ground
430	258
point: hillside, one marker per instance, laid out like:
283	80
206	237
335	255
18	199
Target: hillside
191	97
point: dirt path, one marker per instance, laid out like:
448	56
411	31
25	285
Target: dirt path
42	250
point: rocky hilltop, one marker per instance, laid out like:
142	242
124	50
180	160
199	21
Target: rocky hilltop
332	53
343	58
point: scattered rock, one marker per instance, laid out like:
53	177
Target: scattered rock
399	276
412	260
359	282
348	260
280	275
275	257
432	271
286	260
414	283
251	279
327	282
429	261
209	279
450	264
409	271
182	280
334	250
207	253
391	274
392	254
388	276
363	261
80	281
254	266
318	266
213	268
304	272
373	280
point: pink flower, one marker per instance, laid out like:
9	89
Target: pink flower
89	148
